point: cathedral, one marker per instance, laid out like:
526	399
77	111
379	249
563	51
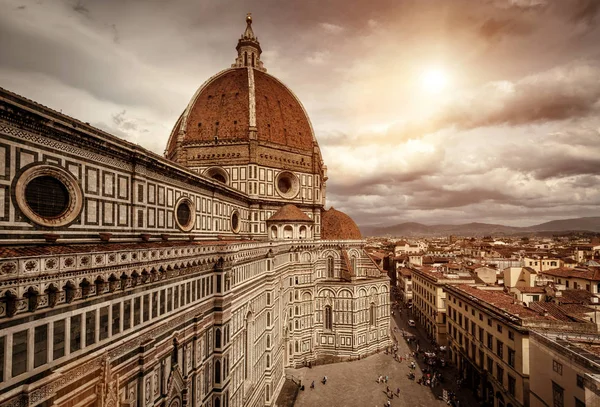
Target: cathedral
193	279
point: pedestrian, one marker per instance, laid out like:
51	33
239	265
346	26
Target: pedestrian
398	392
386	378
312	385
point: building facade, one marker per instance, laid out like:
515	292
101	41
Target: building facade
429	299
566	370
193	279
489	341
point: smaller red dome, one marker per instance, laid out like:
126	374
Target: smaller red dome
336	225
289	213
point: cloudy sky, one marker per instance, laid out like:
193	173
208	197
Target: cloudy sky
432	111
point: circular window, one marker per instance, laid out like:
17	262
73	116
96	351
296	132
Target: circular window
235	222
185	214
217	173
48	195
287	184
284	184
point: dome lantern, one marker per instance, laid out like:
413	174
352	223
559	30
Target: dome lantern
248	49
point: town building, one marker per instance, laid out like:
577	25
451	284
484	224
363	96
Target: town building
194	279
583	278
488	337
403	247
429	299
404	284
565	369
542	263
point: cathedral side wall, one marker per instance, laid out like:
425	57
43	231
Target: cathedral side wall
119	191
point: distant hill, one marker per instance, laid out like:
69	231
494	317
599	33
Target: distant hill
589	224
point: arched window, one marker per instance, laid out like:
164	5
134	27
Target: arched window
303	234
268	319
217	338
328	318
330	267
217	372
353	264
248	338
288	232
268	341
253	59
273	232
268	361
297	347
372	314
217	402
245	59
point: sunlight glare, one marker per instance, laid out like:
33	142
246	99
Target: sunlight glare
434	80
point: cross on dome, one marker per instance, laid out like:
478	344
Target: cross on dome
248	49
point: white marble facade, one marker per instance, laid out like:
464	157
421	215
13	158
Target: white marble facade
156	285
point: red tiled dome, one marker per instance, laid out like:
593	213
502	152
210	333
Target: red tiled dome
289	213
336	225
231	104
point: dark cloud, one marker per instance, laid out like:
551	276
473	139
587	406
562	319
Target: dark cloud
79	7
516	140
495	28
586	11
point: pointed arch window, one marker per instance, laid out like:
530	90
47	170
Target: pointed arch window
330	267
217	372
328	317
217	338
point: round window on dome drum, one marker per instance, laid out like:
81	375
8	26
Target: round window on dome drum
218	174
235	222
48	195
287	184
185	214
284	184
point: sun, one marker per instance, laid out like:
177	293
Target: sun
434	80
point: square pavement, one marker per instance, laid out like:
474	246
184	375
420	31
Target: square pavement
355	383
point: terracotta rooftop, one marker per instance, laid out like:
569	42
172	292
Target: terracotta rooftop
532	290
575	297
553	310
587	273
336	225
435	275
289	213
502	301
406	272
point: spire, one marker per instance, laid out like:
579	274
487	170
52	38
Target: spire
248	49
249	34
